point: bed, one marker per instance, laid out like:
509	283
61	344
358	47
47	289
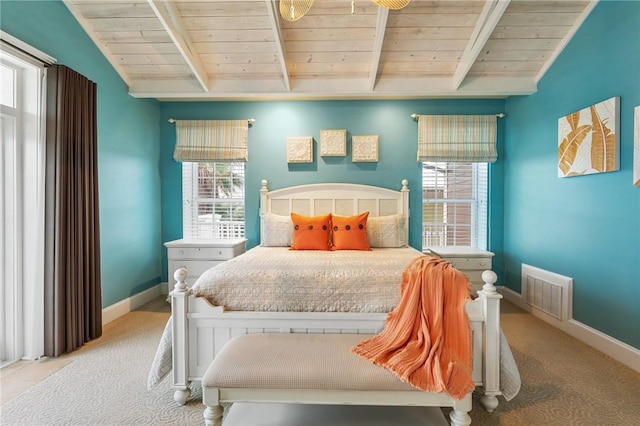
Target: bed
201	326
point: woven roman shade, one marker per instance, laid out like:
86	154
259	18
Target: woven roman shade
457	138
211	140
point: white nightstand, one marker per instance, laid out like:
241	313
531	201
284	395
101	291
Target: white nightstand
472	261
199	255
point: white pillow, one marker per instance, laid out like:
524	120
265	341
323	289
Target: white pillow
277	230
386	231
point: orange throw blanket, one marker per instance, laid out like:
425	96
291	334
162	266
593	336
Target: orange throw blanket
426	339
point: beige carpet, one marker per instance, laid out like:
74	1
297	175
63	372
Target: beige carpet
565	382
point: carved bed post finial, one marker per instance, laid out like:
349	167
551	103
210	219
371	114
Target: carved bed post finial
489	277
263	184
180	276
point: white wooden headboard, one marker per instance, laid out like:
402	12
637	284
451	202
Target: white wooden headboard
345	199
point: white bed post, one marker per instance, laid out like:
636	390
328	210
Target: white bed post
264	191
180	337
491	345
405	207
263	195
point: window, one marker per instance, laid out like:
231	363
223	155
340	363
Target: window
213	200
454	204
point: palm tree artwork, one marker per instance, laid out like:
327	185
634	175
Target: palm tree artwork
589	140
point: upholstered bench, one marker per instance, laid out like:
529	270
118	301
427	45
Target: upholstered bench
309	369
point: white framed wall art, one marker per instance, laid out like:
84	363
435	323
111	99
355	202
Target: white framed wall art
333	143
300	149
364	148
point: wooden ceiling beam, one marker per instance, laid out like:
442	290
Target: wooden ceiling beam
489	18
168	15
318	89
381	28
272	9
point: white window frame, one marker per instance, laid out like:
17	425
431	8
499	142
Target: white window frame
22	193
209	226
433	234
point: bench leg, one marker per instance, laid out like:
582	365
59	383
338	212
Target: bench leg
213	416
460	414
459	418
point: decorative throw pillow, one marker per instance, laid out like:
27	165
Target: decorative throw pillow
349	232
311	232
276	231
387	231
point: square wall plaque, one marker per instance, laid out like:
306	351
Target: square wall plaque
333	143
364	148
300	149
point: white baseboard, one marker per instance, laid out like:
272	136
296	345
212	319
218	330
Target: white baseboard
620	351
125	306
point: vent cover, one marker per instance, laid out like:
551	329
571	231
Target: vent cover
547	292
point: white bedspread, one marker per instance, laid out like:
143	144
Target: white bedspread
282	280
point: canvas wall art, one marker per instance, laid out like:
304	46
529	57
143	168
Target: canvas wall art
300	149
364	148
589	140
333	143
636	146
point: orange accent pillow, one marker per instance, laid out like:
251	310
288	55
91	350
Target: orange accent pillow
311	232
350	232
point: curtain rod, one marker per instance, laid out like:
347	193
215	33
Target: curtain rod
499	115
249	120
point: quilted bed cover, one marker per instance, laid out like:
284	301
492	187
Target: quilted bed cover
277	279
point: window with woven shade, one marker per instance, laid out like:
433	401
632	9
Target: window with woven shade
455	152
213	155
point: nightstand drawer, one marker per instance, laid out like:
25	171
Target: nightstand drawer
470	263
216	253
195	268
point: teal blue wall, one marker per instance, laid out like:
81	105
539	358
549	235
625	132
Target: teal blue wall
128	148
585	227
275	121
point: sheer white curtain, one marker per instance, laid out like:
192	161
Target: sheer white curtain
22	200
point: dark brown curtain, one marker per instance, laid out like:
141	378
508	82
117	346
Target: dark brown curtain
73	300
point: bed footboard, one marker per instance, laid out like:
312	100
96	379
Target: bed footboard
200	330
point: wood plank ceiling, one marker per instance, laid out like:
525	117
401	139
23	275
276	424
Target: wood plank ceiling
212	49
